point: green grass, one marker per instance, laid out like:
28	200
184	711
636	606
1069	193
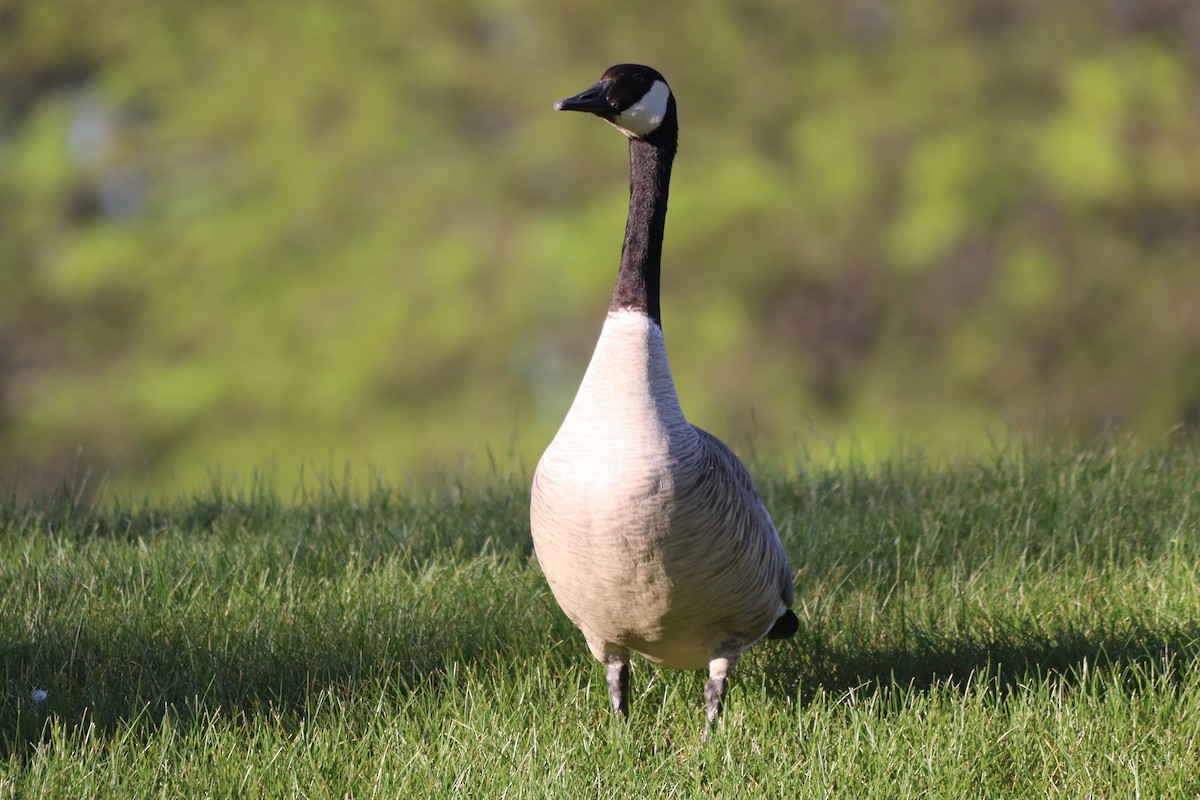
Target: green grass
1026	625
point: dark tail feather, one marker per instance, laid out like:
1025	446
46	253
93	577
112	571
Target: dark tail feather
784	627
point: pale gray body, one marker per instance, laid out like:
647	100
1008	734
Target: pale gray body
649	530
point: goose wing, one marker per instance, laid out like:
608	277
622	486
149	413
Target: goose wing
750	521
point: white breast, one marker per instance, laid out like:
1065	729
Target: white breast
602	488
626	407
645	538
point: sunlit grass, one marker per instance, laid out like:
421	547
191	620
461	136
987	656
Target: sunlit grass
1026	625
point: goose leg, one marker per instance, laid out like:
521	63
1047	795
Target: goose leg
618	687
714	691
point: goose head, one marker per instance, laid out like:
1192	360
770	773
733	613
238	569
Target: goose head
632	98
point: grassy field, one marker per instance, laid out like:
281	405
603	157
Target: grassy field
1025	625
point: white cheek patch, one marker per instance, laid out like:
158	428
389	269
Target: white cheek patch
646	114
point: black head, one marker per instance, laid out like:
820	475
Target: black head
634	99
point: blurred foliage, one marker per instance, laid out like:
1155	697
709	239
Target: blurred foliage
242	233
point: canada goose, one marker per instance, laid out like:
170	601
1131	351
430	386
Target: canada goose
649	530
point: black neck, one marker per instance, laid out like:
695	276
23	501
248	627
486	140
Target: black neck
641	258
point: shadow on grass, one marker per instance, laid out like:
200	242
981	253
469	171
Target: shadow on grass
189	682
107	667
1008	662
134	683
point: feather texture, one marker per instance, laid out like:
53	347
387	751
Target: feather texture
649	530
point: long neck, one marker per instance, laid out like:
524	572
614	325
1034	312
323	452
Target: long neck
641	257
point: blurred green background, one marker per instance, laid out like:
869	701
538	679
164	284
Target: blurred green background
301	235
